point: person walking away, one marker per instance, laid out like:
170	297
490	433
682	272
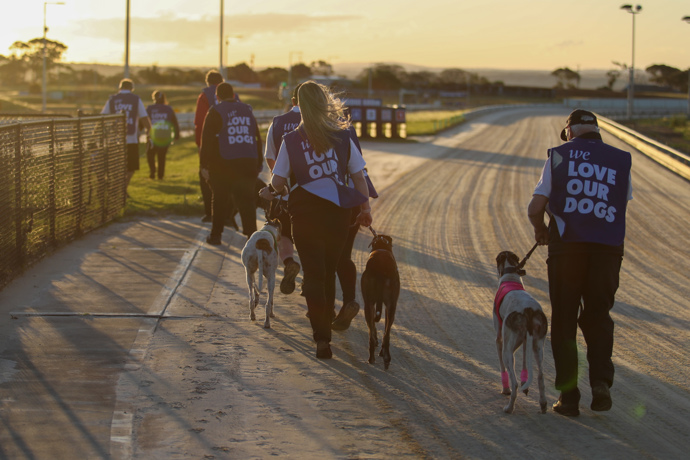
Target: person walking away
231	158
125	101
347	270
164	128
585	186
316	160
204	102
281	125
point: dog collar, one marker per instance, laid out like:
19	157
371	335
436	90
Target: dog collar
503	289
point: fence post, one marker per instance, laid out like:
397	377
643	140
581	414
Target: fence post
52	206
80	180
18	213
106	172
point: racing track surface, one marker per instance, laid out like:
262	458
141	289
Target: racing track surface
211	384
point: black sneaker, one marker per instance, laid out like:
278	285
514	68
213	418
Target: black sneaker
214	240
323	350
287	285
601	397
567	404
345	317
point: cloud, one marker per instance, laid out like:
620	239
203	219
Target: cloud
569	44
190	33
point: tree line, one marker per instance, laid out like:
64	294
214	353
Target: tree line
24	65
661	74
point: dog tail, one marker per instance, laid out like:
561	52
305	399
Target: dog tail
261	246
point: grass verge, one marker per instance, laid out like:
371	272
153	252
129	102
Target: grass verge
672	131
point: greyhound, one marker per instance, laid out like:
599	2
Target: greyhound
260	254
380	285
518	320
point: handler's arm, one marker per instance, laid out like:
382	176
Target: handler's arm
279	184
364	218
535	212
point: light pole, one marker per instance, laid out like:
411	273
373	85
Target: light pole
221	69
126	73
289	82
45	31
687	19
637	9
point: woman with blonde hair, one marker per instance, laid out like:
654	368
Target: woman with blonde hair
313	164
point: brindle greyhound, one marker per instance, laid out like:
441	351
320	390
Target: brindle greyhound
380	286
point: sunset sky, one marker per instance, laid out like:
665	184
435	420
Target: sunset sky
499	34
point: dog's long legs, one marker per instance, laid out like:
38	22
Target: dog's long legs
271	283
509	347
385	346
538	348
369	316
499	350
253	295
524	375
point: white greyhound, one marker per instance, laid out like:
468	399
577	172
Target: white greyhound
260	254
518	320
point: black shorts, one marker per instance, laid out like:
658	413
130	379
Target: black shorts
132	157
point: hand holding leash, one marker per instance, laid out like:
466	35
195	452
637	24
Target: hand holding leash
364	217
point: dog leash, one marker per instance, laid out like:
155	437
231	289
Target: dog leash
373	231
524	261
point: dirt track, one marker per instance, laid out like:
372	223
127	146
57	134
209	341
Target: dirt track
211	384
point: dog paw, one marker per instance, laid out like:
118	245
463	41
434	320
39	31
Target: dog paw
267	325
272	315
252	316
543	407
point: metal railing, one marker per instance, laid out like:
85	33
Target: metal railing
59	179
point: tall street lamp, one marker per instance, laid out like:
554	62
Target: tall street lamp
637	9
221	69
126	72
45	31
687	19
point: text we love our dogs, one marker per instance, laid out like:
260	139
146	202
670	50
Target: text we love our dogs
589	187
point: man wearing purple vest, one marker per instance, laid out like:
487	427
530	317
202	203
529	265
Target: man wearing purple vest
586	185
231	158
125	101
204	102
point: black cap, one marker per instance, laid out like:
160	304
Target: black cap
579	117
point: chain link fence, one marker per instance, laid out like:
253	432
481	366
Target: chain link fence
59	179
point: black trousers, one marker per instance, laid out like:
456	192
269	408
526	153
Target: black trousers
206	195
319	238
347	271
154	153
237	180
591	279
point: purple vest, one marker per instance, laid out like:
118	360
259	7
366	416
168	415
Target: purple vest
589	191
237	138
161	116
210	93
324	175
372	191
283	124
127	103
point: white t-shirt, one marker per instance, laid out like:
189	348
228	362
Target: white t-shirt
141	112
271	151
282	167
543	187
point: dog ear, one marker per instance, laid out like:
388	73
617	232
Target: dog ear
501	258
